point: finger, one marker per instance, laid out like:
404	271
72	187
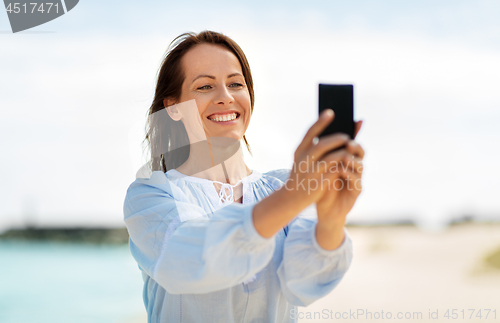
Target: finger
324	120
353	181
341	160
355	149
331	161
344	173
352	163
357	127
328	143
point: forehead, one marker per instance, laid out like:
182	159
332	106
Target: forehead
209	59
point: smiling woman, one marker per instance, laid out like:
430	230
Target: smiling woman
177	74
213	77
215	240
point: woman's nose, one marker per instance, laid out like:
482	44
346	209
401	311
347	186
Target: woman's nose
223	96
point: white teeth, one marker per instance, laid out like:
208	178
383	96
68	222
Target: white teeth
226	117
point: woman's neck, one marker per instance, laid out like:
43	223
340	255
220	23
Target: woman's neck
216	162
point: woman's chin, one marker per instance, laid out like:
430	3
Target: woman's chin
223	140
225	134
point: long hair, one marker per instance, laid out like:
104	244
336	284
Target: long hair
163	134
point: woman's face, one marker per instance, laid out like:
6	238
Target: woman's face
214	79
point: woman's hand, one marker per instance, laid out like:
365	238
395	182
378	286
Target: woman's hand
310	173
340	196
310	179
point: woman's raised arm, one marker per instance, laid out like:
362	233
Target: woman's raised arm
308	179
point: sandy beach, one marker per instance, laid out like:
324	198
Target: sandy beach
401	269
401	273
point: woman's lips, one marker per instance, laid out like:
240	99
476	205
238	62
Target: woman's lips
227	118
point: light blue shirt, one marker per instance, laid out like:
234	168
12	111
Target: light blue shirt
203	261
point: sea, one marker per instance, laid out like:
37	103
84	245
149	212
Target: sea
68	282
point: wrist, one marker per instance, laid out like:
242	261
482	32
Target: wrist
329	237
331	223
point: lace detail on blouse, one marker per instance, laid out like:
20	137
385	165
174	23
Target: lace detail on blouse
225	197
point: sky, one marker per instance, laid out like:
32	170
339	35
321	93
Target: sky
74	93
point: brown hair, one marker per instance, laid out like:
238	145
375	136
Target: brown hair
161	138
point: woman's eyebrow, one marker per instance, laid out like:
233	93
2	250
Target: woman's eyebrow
213	77
234	74
204	75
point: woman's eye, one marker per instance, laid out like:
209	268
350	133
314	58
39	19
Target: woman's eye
204	87
236	85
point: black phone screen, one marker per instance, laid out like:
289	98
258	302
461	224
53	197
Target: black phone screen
339	98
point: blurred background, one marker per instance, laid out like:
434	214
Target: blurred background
74	94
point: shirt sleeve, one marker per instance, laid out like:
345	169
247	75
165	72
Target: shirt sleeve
308	272
188	250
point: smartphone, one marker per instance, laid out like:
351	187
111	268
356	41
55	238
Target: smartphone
339	98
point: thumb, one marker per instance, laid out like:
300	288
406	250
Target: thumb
357	127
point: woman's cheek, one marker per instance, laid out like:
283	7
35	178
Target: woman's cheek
201	104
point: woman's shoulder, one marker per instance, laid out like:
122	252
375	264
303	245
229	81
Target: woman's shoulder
280	174
157	182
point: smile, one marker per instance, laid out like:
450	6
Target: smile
224	117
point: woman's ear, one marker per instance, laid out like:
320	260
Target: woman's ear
172	110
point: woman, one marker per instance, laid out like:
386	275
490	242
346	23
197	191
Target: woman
216	241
